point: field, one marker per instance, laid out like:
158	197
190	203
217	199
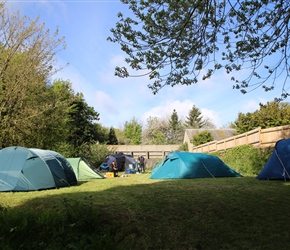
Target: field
137	212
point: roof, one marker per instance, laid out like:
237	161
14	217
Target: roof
218	134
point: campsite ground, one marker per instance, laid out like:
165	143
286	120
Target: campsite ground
137	212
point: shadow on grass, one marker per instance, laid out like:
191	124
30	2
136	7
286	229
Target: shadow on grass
221	213
81	182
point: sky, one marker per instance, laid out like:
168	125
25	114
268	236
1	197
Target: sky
92	59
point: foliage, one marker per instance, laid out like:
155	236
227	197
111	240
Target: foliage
133	132
41	120
194	119
120	136
174	121
155	131
176	131
246	160
65	149
27	59
201	138
183	147
97	154
35	112
112	140
102	133
272	114
82	116
176	41
158	138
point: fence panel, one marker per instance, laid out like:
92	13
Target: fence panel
148	151
257	137
269	136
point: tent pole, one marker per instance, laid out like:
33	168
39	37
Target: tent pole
207	170
285	171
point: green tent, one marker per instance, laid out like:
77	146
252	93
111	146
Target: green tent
83	170
180	164
23	169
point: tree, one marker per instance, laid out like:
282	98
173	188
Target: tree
82	118
201	138
272	114
120	136
176	131
208	123
194	119
155	132
133	132
112	137
27	60
175	41
245	123
47	122
102	133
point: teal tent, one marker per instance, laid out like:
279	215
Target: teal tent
23	169
181	164
83	170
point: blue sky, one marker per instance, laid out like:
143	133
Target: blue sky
92	59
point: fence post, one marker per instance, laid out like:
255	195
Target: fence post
260	139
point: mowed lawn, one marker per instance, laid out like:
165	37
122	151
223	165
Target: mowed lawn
137	212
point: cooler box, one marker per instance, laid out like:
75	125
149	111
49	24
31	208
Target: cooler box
109	175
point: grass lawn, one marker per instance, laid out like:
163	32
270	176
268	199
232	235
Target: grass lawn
137	212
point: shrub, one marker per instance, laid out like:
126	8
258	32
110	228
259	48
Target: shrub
201	138
183	147
246	159
97	154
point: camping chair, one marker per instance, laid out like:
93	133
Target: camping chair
104	168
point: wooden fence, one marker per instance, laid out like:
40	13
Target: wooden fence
148	151
262	138
258	137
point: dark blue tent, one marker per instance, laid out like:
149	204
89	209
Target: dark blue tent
124	162
278	165
191	165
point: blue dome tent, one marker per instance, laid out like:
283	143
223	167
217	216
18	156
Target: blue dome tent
278	165
188	165
23	169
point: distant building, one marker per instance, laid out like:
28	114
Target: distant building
218	134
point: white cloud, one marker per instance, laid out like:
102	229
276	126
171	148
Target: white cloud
182	108
212	115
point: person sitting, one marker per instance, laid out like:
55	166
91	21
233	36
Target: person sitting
114	168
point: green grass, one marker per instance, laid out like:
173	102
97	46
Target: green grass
140	213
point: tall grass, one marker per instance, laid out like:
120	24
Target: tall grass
137	212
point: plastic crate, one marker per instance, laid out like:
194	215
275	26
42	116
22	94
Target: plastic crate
109	175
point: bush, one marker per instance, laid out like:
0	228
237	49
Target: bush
246	159
97	153
201	138
183	147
